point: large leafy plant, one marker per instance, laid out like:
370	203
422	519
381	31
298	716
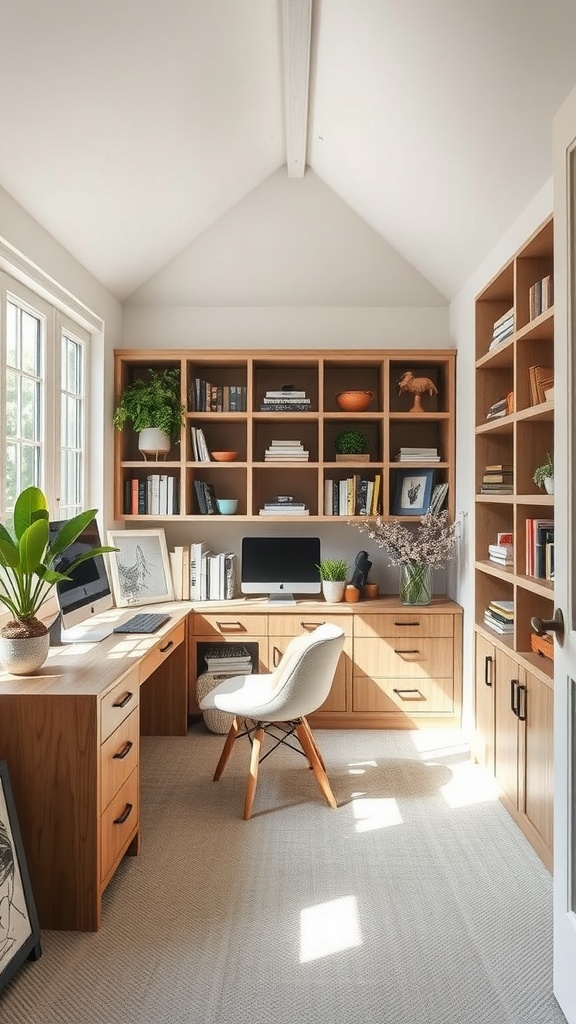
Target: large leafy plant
27	556
154	402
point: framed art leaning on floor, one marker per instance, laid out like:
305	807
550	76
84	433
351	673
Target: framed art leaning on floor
19	928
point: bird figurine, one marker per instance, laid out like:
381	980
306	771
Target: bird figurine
416	386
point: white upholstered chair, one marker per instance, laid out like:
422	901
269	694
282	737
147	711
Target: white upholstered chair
276	704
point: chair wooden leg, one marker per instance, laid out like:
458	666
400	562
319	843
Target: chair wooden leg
227	748
253	776
313	741
308	744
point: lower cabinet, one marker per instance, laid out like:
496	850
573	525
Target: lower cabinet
282	628
514	739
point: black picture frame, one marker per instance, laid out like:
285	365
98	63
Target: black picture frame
413	492
19	927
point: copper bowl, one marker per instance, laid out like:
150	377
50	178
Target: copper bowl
224	456
354	401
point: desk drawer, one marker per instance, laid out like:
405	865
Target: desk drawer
119	824
414	698
230	624
402	624
119	757
162	650
118	703
303	622
405	657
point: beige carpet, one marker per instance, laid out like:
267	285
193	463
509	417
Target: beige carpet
416	902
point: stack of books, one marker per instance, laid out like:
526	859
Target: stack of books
541	380
286	451
228	660
417	455
284	505
200	451
285	400
501	554
438	497
503	328
212	576
497	479
497	409
499	615
205	498
540	296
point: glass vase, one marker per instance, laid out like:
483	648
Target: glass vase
415	584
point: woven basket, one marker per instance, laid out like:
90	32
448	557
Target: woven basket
543	645
216	721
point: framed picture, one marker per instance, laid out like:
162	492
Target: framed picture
140	568
19	928
413	491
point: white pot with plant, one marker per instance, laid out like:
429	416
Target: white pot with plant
333	573
544	475
154	408
27	577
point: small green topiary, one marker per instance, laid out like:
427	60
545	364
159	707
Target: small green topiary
544	472
351	442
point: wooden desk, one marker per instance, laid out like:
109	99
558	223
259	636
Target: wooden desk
70	735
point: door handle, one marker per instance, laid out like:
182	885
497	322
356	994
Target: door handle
555	625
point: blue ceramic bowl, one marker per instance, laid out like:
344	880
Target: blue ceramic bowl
227	506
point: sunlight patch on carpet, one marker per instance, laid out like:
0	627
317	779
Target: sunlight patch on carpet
373	813
329	928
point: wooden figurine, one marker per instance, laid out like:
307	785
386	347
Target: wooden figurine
416	386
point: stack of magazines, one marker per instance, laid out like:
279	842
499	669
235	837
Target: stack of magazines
228	660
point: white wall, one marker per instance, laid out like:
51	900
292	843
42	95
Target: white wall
462	334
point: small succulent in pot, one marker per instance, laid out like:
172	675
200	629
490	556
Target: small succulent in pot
333	569
351	442
544	472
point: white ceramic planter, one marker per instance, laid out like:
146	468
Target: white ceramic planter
153	441
333	590
22	657
549	484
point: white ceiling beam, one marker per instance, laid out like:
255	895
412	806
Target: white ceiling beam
297	31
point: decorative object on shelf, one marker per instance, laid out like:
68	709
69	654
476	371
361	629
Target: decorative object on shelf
370	591
333	573
351	594
28	576
227	506
544	475
430	546
224	456
413	492
352	446
140	567
362	567
155	410
354	401
416	386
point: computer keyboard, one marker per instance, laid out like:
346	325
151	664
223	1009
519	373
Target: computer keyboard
144	622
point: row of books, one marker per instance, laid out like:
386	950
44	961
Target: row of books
200	451
352	496
206	397
502	329
228	660
417	455
284	505
206	503
540	381
540	296
499	615
286	451
438	497
497	478
154	495
199	574
540	548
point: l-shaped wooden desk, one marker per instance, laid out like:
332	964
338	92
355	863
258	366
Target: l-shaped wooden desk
70	733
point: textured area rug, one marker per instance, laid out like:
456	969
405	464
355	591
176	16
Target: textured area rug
417	901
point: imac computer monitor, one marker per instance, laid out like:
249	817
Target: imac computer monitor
280	567
87	593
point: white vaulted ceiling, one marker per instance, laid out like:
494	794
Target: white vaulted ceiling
132	128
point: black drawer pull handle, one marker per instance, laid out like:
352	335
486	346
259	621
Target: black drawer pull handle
125	815
167	648
311	625
513	692
407	694
488	670
522	702
233	627
124	752
398	650
122	703
406	623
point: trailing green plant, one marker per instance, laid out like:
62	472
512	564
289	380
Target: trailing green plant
351	442
544	472
27	557
334	569
153	403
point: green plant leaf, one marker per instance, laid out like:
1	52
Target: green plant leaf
68	533
32	545
28	504
9	553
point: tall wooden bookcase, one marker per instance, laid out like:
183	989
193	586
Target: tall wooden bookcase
514	684
389	424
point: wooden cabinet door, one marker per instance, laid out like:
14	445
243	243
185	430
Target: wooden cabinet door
509	676
538	763
485	690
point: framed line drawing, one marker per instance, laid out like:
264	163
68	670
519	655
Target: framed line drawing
19	928
413	492
140	569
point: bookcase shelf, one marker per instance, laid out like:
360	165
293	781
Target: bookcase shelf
388	424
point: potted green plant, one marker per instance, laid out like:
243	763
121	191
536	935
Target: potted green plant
333	573
544	475
352	446
154	408
28	576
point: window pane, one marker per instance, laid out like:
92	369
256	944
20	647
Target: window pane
71	425
29	466
11	404
72	365
12	488
11	319
30	343
29	425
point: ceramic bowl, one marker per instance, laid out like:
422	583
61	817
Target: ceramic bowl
224	456
354	401
227	506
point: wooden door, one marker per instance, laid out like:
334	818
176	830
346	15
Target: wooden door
538	781
508	678
483	747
